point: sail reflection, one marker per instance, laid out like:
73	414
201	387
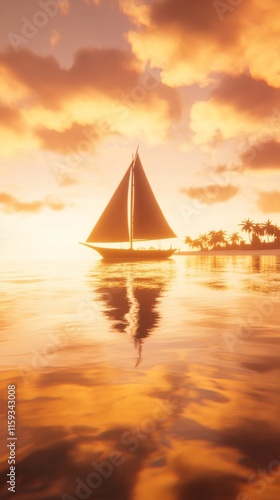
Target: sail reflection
131	294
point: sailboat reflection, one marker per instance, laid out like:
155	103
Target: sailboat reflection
131	294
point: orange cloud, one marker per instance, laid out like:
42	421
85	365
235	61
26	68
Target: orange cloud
247	95
10	204
238	106
190	41
269	201
55	38
64	6
77	137
262	155
138	12
211	194
11	118
92	70
91	74
95	2
133	101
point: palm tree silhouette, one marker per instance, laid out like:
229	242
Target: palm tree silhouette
212	238
192	243
203	240
259	230
234	238
269	229
216	238
222	237
276	233
248	227
196	243
188	241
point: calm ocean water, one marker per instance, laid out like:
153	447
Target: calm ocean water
142	381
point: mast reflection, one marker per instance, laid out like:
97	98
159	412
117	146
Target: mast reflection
131	293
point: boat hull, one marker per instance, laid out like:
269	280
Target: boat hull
118	254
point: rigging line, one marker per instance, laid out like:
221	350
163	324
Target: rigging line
132	198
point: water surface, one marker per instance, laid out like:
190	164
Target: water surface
138	381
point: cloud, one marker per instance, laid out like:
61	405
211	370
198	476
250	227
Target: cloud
238	106
81	138
94	2
64	6
66	179
10	204
179	36
262	156
269	201
102	85
247	95
221	169
11	118
54	38
190	43
195	18
138	12
91	71
211	194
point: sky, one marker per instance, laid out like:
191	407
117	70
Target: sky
84	82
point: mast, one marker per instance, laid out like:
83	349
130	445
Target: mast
132	200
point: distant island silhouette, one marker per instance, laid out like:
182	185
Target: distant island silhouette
262	236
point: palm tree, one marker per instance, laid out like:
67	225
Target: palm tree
269	229
196	243
216	237
212	238
256	232
203	239
276	233
259	230
222	237
192	243
234	238
188	241
247	226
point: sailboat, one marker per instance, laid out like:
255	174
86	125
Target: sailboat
132	215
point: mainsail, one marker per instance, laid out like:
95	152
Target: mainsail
147	221
112	226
